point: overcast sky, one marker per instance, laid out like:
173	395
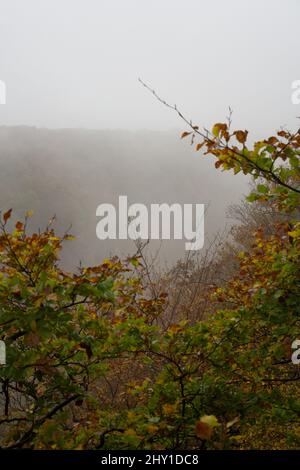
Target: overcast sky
75	63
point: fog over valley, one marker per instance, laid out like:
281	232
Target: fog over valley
69	172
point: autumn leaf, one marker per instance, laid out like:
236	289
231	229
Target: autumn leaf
211	420
203	431
69	237
219	127
241	136
199	146
152	428
169	409
29	214
174	329
7	215
185	134
19	226
205	427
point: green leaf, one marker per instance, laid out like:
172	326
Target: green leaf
262	188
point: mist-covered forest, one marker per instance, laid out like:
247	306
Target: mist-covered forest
125	355
183	339
67	173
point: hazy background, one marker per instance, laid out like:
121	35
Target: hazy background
75	64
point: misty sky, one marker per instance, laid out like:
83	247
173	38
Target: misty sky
75	63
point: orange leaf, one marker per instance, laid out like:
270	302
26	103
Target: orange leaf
203	430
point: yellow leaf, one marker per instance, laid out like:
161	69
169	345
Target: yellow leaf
70	237
220	126
294	233
211	420
29	214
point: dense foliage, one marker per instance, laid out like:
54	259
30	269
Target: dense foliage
92	363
